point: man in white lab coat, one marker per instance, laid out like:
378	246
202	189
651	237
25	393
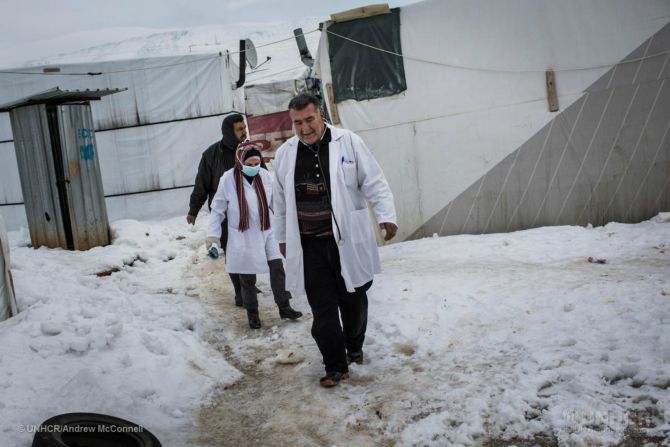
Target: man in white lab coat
325	178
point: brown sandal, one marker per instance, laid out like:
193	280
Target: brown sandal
332	379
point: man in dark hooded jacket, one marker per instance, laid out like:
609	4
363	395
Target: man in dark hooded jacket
217	159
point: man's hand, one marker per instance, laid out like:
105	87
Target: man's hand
282	249
190	219
390	229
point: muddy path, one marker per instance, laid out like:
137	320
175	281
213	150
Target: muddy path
278	400
394	398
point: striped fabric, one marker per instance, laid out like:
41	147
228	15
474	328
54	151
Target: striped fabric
257	182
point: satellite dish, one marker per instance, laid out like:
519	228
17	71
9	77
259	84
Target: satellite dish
250	50
305	55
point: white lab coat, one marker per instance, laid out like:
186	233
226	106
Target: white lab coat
355	180
246	251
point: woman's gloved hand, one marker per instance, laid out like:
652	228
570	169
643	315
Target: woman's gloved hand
212	245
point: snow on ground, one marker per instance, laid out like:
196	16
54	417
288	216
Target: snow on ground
516	334
471	339
127	344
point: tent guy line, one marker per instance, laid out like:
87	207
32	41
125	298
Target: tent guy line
497	70
263	45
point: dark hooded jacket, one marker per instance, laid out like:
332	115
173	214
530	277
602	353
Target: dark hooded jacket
217	159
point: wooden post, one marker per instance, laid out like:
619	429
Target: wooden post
334	115
552	98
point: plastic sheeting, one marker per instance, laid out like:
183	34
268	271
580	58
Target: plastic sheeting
14	216
10	183
360	72
271	130
159	89
154	157
150	205
5	127
178	103
476	88
7	299
263	99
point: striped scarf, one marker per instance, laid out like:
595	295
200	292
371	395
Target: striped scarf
257	183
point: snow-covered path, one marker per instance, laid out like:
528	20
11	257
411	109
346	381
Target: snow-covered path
471	340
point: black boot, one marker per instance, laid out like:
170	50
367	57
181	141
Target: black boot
254	319
355	357
286	311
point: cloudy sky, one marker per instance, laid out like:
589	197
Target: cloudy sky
31	21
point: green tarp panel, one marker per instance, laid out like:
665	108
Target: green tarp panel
361	72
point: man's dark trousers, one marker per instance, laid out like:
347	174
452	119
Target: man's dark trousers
328	297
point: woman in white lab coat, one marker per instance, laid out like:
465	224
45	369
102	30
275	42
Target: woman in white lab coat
245	195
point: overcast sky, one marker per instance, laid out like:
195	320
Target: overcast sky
27	21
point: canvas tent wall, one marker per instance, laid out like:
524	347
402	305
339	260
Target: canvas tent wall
267	110
470	145
267	115
7	299
150	137
268	92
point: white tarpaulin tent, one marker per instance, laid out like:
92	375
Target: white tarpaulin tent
470	145
7	299
268	93
150	137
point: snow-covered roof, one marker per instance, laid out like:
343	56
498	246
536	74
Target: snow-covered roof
273	39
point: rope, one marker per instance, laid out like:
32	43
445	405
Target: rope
493	70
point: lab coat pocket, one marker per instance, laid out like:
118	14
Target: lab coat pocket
360	226
235	240
350	173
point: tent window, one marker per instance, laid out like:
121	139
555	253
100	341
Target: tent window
360	72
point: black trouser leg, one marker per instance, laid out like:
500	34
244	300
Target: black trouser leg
278	282
249	298
324	285
234	277
353	306
354	312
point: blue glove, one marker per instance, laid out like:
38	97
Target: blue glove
213	250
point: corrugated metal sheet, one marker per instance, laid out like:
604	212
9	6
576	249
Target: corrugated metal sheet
85	196
56	95
38	178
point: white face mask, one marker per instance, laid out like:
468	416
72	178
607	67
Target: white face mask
251	171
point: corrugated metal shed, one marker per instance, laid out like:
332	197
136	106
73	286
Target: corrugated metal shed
59	169
58	96
34	158
85	196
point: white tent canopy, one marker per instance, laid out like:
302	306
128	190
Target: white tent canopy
179	89
7	299
471	146
150	137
